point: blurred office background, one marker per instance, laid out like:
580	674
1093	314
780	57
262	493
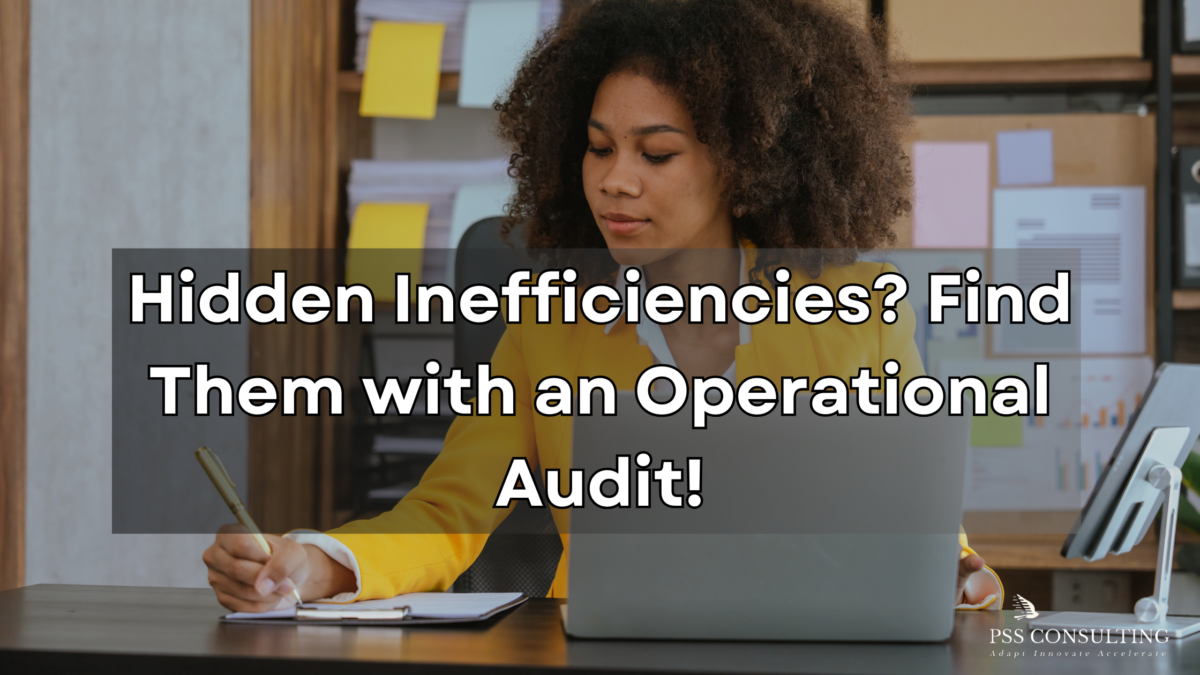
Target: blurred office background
269	123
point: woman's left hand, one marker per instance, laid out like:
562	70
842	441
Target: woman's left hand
973	591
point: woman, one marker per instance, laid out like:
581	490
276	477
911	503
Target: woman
683	137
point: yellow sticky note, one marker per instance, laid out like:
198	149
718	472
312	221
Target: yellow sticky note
386	240
403	66
994	431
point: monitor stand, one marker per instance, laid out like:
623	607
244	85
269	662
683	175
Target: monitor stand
1154	473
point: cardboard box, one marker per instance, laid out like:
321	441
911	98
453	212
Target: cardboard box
931	31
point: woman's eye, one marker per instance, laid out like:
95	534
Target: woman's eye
599	152
657	159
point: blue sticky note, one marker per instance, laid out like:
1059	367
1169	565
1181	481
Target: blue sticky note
496	36
472	203
1025	157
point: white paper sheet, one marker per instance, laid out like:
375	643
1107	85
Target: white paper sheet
1191	20
1108	226
1191	235
498	33
421	606
472	203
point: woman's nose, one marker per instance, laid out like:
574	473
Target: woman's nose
621	179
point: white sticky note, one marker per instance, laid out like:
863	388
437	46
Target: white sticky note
1191	235
950	195
1191	20
497	35
472	203
1025	157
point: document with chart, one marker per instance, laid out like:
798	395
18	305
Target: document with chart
1100	229
1051	462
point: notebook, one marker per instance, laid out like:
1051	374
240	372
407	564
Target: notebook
406	609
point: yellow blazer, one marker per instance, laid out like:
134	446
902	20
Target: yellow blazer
439	528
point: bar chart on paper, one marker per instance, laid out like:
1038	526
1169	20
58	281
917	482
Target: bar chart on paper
1051	463
1110	391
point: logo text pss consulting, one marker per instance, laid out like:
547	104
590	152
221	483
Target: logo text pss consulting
1066	638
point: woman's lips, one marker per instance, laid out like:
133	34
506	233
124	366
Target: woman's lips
624	227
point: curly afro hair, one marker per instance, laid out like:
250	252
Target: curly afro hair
795	102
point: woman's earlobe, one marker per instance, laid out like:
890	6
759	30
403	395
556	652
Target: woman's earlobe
739	210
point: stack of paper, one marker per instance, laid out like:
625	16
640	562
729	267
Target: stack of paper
458	193
452	13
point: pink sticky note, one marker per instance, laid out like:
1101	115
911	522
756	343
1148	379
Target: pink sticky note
950	196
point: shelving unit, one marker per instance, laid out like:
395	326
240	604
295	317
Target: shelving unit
1043	552
963	77
1126	74
1186	68
350	81
1031	75
1186	299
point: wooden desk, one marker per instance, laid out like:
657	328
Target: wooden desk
1044	552
100	629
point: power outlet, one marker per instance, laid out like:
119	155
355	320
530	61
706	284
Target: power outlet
1080	591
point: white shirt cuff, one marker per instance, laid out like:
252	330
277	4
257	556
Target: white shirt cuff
336	550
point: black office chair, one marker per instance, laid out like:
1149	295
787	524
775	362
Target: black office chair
522	554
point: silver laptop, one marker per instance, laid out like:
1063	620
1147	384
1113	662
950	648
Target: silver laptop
809	528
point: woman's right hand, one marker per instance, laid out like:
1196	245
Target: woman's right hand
246	579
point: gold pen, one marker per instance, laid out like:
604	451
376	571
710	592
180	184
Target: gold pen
220	477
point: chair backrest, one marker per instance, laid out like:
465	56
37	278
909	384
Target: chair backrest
522	554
